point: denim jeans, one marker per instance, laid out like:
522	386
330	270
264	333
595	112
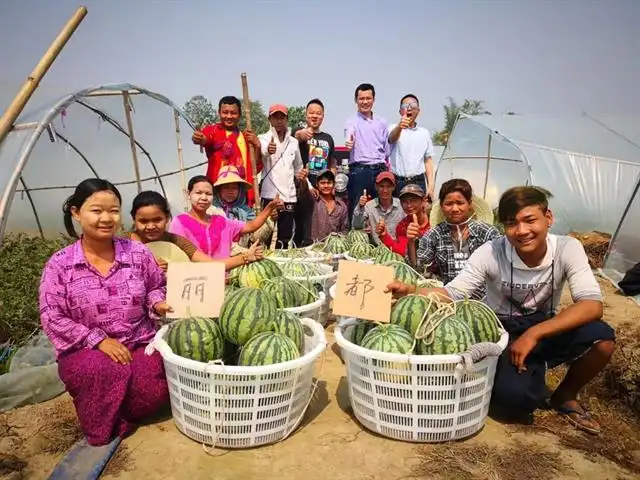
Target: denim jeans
362	177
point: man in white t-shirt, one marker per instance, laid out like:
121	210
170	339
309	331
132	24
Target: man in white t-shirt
524	273
281	162
411	149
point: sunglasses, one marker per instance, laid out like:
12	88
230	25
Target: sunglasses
412	105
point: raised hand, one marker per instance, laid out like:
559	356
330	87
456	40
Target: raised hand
198	138
251	138
302	174
381	228
413	230
271	148
276	204
405	122
349	143
364	198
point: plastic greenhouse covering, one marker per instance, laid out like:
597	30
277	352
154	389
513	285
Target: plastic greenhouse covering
87	134
590	164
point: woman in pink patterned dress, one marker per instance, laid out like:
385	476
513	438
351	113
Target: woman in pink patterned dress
214	234
99	300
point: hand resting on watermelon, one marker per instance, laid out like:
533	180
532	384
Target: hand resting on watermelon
399	290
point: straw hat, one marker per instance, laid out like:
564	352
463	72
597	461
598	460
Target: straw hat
482	212
229	174
168	251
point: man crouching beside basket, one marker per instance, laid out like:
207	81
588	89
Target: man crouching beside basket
524	273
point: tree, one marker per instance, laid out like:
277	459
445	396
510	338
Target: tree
259	120
297	116
451	113
200	111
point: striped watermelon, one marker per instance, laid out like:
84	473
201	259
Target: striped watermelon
409	311
361	251
290	325
360	329
300	269
245	313
404	273
451	336
335	244
382	254
388	338
268	348
253	274
308	291
197	338
357	236
481	319
286	292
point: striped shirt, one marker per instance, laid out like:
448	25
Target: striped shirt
324	222
79	307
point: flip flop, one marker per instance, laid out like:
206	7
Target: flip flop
567	412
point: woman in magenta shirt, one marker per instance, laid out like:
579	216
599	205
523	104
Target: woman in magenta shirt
100	298
214	234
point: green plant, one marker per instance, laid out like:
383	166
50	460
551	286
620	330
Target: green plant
22	258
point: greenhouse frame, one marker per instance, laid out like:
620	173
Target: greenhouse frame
127	134
591	165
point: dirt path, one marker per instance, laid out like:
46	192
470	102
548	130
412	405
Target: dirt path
332	445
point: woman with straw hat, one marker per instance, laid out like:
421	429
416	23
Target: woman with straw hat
460	223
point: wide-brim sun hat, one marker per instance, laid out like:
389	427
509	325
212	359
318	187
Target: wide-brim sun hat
168	251
229	174
481	212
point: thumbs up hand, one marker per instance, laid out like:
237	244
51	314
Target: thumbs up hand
381	228
271	148
364	198
349	143
413	229
405	122
276	204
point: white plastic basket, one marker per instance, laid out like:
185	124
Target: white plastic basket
310	310
240	407
316	257
417	398
327	279
370	261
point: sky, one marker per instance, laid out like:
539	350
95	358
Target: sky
544	57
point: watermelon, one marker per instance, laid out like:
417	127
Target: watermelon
409	311
308	292
382	254
253	274
267	348
360	329
288	324
451	336
357	236
481	319
286	292
196	338
361	251
388	338
335	244
245	313
300	269
404	273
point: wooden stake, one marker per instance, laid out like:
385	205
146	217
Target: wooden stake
246	102
13	112
132	139
183	181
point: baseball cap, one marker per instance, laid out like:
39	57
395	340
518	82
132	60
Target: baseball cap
412	189
386	176
326	173
278	107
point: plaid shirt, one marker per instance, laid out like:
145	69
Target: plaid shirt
437	246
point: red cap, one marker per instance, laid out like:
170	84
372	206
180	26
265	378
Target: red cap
278	107
386	176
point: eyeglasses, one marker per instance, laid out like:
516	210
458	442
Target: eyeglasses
412	105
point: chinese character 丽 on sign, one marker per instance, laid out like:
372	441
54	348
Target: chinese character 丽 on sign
195	289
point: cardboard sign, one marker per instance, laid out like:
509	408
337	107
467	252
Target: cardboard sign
195	289
360	291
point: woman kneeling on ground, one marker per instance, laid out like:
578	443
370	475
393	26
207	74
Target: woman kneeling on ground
99	300
455	234
214	234
524	273
151	215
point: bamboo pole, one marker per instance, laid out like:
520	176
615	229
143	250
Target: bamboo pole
486	173
183	180
126	99
246	102
33	80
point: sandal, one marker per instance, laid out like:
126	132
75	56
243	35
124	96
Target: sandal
570	415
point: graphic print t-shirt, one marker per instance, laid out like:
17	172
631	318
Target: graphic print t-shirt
317	152
533	289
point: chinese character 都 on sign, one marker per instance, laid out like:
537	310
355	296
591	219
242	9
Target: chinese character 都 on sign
359	288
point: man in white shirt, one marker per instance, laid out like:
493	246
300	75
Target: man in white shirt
411	149
524	273
281	161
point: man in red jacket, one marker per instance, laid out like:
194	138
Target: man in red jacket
414	202
225	144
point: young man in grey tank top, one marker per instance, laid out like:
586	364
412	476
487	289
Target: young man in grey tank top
524	273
